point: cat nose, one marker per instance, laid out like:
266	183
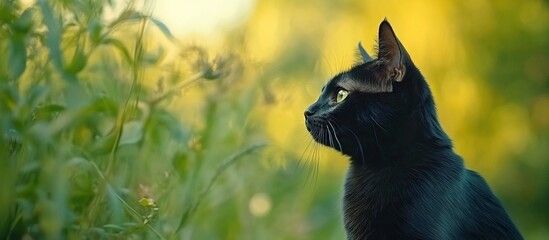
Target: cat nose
308	113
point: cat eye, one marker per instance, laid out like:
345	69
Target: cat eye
341	95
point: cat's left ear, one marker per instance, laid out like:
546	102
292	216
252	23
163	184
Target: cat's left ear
365	56
391	54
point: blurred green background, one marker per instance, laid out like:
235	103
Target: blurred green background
183	120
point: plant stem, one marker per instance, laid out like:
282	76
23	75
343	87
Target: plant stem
177	88
220	168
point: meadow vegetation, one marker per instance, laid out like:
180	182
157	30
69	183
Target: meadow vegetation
111	127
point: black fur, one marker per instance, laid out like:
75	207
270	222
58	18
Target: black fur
404	180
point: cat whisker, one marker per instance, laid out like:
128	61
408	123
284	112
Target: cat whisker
303	153
316	133
338	142
317	164
327	62
379	125
310	160
330	139
310	152
312	174
325	137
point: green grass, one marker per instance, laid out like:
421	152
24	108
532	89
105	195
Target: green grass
104	135
90	148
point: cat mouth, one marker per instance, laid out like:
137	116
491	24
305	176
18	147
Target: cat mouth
324	132
312	126
308	125
317	129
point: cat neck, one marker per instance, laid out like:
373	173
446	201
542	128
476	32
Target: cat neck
418	139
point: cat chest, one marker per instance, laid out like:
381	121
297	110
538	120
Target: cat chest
372	209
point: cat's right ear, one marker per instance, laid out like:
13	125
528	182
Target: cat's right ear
390	54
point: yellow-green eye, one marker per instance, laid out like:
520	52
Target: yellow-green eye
341	95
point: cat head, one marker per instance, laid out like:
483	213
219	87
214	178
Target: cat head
370	102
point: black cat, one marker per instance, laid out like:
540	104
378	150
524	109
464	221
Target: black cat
404	180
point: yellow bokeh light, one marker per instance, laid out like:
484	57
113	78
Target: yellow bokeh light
260	205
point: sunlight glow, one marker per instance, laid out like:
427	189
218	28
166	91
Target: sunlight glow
205	17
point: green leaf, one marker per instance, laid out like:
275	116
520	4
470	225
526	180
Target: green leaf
24	23
78	62
39	133
47	113
103	145
94	30
120	46
161	26
131	225
154	58
79	162
132	133
114	227
104	105
17	53
172	124
9	97
66	120
99	233
33	97
7	13
36	94
53	108
180	163
114	204
53	35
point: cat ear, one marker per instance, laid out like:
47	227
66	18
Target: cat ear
365	57
390	53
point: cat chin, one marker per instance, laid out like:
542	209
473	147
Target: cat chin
327	140
319	133
313	127
322	133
